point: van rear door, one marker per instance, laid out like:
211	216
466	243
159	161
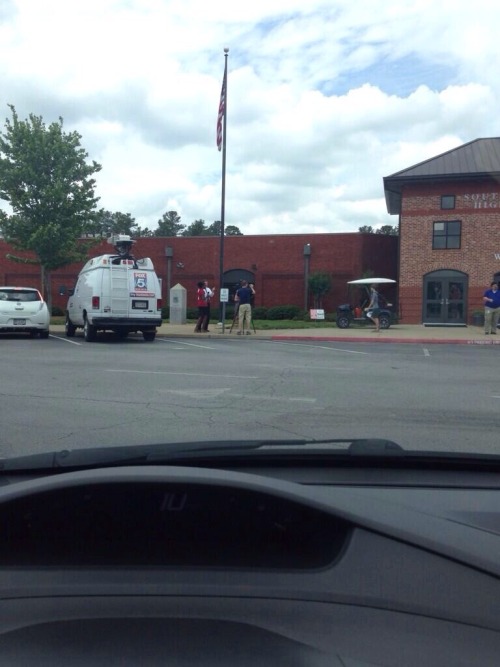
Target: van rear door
119	288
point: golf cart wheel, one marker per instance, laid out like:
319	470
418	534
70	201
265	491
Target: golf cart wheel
343	322
385	322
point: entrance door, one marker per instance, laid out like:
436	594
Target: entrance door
445	298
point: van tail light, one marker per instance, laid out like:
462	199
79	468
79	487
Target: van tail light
158	304
96	302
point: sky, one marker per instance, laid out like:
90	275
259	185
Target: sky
324	99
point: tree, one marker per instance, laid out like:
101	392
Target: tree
196	228
169	225
229	230
388	230
232	230
319	284
145	232
105	223
46	178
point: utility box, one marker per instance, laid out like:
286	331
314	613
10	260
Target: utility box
178	304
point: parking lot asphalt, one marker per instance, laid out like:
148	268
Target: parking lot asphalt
399	333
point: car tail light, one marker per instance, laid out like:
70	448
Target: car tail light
158	304
95	302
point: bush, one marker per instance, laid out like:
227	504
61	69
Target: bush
259	313
57	312
285	313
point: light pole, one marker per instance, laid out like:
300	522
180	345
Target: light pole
307	258
169	254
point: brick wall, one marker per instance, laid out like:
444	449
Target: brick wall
477	206
276	261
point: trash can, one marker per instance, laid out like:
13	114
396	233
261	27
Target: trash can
478	319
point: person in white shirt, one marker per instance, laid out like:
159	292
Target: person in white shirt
208	295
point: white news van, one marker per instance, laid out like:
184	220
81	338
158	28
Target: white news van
115	292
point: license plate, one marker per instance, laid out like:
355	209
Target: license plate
140	305
18	322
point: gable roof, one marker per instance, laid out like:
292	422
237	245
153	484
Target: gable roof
477	159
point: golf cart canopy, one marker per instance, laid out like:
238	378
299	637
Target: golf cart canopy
371	281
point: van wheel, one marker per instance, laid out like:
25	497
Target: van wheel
89	331
149	335
69	327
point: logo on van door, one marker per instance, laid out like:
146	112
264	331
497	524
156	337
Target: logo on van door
141	284
140	281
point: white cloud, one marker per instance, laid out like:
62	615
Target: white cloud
325	98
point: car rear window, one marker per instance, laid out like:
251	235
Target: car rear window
19	295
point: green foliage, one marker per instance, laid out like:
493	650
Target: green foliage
232	230
196	228
387	230
319	284
170	225
285	313
259	313
200	228
57	312
47	180
105	223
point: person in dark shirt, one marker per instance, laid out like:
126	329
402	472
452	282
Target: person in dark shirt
491	300
243	298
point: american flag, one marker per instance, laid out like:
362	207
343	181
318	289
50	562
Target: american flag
222	107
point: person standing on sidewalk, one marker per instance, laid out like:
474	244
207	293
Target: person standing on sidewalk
491	300
244	298
201	302
208	295
373	308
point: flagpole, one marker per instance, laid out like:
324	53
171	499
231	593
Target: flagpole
223	189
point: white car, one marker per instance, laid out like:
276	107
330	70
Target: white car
23	309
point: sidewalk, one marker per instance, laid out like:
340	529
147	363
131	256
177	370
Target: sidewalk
398	333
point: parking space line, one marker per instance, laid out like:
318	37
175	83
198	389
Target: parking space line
318	347
66	340
262	397
169	340
197	375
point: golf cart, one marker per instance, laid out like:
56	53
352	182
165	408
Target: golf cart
358	295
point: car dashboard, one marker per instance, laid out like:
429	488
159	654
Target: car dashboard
217	564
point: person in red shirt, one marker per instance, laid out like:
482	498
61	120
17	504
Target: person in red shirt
201	301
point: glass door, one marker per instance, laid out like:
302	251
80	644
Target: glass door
445	298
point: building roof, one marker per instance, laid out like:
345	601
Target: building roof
477	159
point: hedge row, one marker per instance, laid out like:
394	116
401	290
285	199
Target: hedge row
287	312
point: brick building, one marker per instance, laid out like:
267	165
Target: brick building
449	223
277	264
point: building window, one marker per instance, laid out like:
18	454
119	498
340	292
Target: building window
447	201
446	235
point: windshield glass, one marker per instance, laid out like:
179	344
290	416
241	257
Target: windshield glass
278	221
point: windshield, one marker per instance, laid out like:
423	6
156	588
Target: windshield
292	212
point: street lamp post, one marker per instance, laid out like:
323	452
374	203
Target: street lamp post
307	258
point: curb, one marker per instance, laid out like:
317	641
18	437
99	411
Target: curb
392	339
